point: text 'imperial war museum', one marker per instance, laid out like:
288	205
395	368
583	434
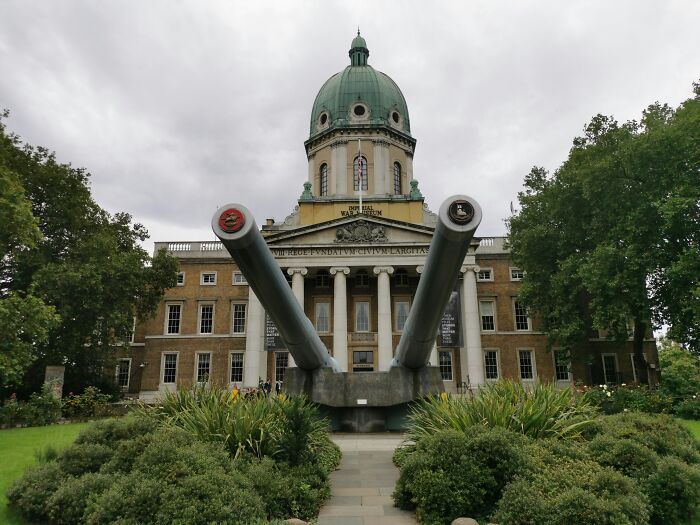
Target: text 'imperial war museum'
353	251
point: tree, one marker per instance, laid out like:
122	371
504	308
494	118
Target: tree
68	253
613	235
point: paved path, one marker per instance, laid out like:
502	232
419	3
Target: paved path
362	485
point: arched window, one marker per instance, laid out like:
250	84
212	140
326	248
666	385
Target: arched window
323	183
397	178
359	171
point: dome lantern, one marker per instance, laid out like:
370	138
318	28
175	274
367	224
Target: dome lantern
358	51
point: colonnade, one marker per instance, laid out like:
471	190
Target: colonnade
471	357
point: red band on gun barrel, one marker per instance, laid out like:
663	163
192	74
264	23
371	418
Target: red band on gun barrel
231	220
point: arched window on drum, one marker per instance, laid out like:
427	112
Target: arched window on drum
397	178
359	171
323	180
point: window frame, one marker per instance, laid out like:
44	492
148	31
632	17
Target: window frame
356	304
398	182
482	279
233	318
322	279
162	367
178	282
603	355
397	300
323	180
568	379
494	316
329	318
365	277
208	272
498	363
230	367
355	171
244	281
278	355
533	364
516	279
451	365
123	388
400	278
515	317
166	323
200	307
196	367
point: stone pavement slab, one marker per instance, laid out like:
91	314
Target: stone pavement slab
362	486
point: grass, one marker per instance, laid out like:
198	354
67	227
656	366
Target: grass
693	426
19	446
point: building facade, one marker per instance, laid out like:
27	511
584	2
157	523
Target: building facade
352	251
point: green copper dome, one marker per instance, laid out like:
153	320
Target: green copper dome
359	96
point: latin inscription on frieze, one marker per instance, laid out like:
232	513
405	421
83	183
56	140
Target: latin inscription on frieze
349	251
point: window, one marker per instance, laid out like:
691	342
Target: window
516	274
181	279
362	278
401	277
561	365
323	186
172	318
397	178
239	279
488	315
203	367
281	363
323	310
169	368
123	373
323	279
238	318
362	316
635	370
206	318
485	274
446	365
491	364
359	171
522	322
527	365
362	361
208	278
236	367
610	369
401	307
132	332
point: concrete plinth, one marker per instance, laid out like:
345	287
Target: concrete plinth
368	401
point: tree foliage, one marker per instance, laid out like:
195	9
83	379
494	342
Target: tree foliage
614	234
79	270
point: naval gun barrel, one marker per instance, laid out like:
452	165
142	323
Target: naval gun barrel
235	226
458	218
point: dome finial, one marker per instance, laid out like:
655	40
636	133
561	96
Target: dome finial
358	50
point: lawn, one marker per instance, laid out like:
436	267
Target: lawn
18	446
693	426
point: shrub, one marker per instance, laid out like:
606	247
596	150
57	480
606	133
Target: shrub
572	491
302	430
90	403
640	398
11	411
660	433
67	505
328	454
674	492
298	491
624	455
43	408
82	458
541	411
680	370
109	432
30	493
689	408
453	474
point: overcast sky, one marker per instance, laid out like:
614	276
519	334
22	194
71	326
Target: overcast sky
176	108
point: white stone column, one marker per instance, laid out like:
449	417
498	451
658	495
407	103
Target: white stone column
255	358
433	359
471	362
298	290
340	316
384	317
